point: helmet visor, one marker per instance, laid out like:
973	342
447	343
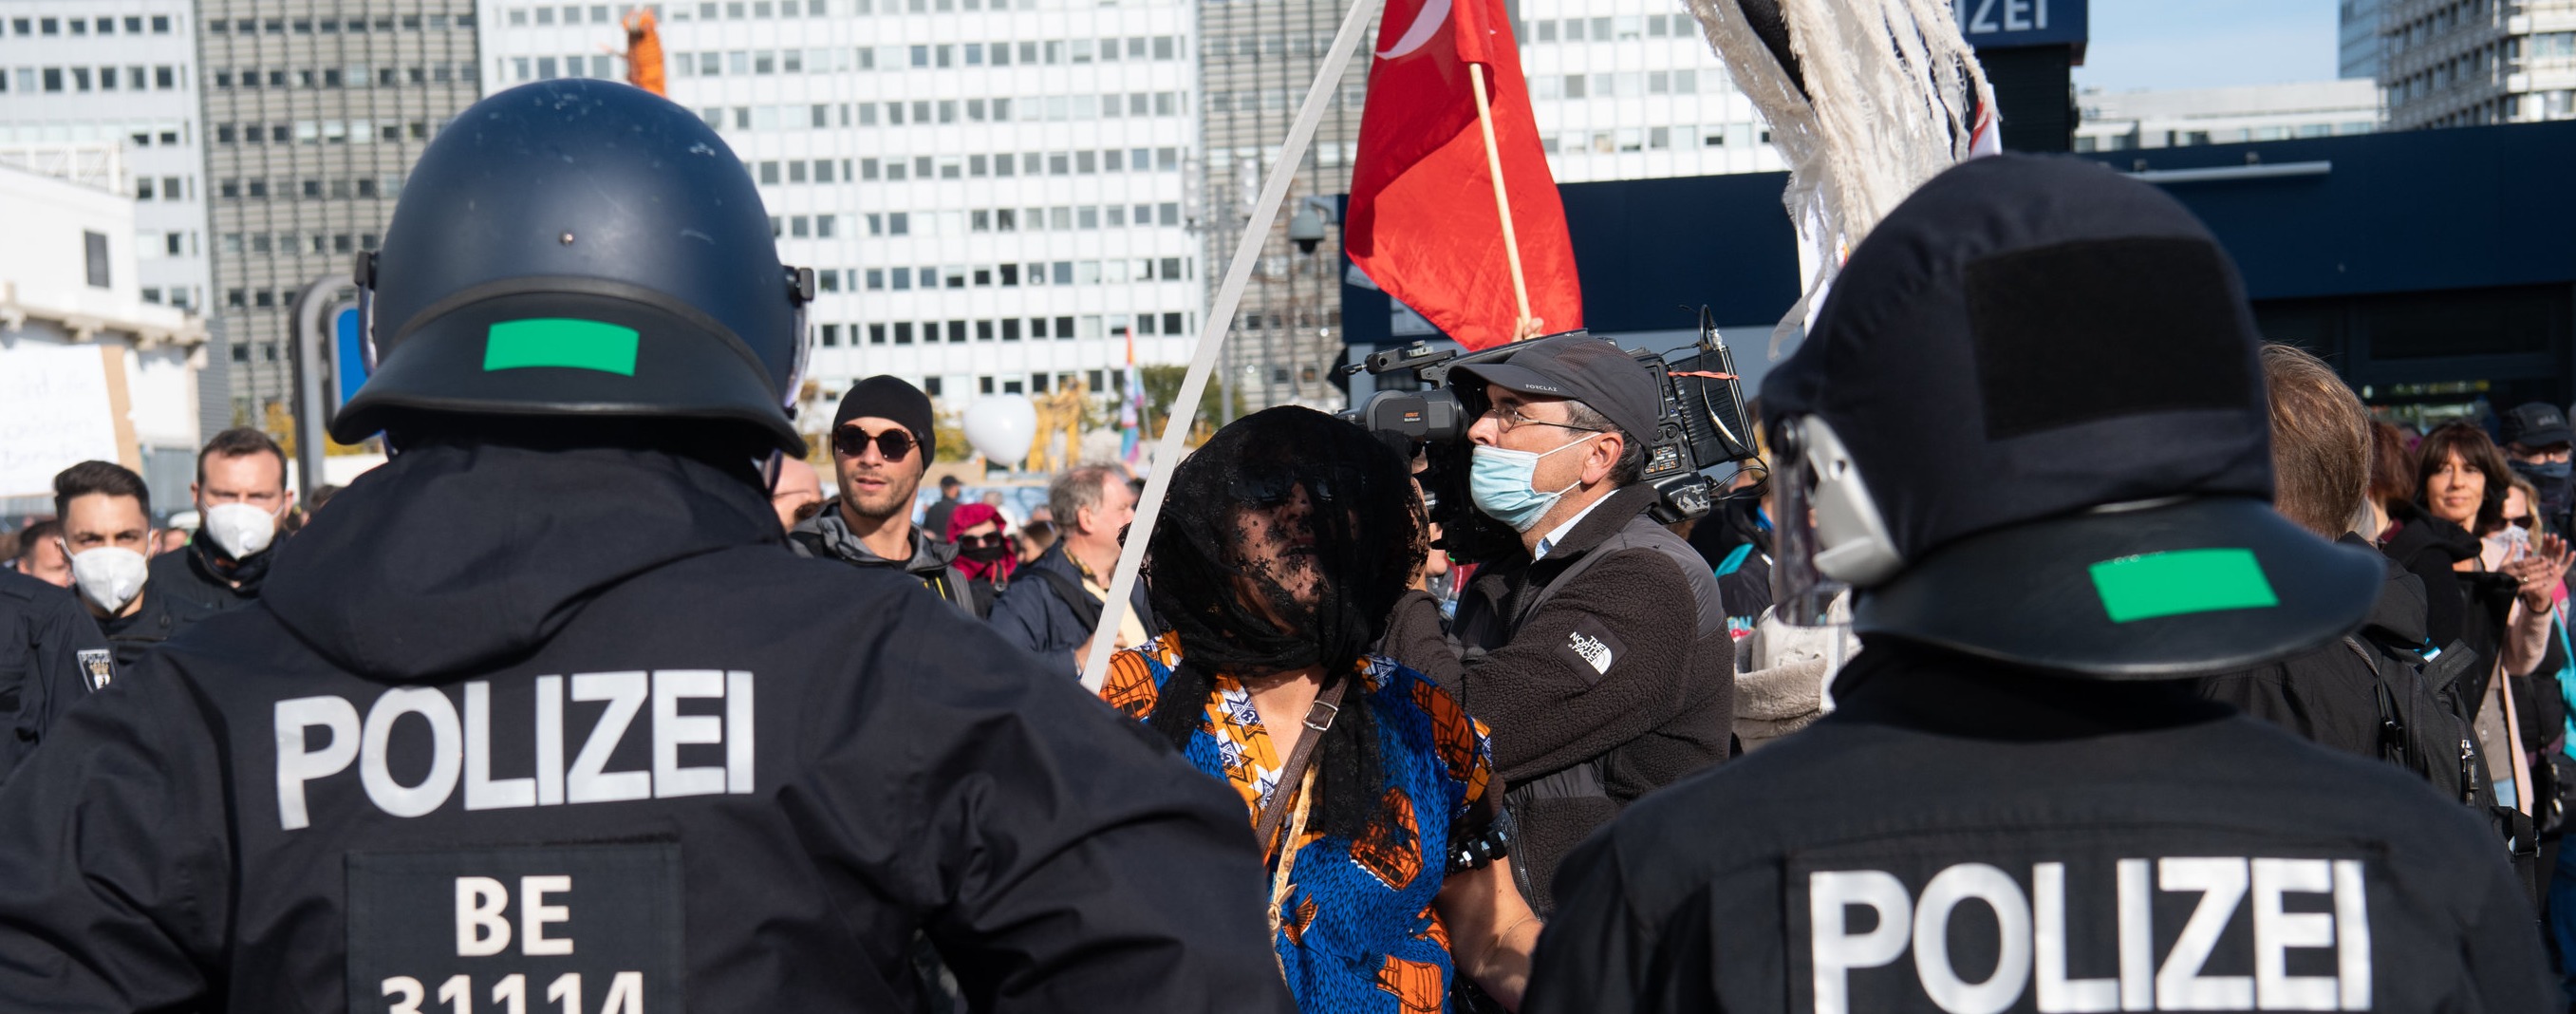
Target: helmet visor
1801	594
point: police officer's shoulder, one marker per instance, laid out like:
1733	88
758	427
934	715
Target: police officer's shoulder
19	587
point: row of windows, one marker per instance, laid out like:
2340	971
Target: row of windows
600	14
181	298
31	80
166	188
1281	100
1068	218
1062	218
1027	163
1108	272
355	75
88	26
143	134
325	132
818	116
388	185
1608	142
2238	135
1611	29
289	243
335	26
1623	85
166	244
1011	329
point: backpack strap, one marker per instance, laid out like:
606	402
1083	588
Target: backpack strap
1086	610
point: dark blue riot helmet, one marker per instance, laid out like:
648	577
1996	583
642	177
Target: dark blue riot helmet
580	248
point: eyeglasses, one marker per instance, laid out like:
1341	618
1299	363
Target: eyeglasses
978	541
806	511
851	442
1508	418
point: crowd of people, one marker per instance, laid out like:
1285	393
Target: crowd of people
2058	620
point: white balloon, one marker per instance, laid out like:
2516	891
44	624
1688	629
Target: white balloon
1002	427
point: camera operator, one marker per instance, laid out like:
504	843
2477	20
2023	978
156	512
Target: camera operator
1598	653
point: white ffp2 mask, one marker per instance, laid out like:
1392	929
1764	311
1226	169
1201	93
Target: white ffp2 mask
240	529
109	576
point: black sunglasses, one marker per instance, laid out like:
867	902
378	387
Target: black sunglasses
974	541
851	441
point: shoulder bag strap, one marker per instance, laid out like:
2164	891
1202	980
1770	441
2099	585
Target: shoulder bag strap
1319	718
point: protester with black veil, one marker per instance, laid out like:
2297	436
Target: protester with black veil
1282	547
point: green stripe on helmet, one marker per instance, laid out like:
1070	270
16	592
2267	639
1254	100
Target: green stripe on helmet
2181	581
560	341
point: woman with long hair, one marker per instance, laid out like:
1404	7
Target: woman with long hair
2497	605
1282	548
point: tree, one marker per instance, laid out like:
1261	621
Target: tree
1163	384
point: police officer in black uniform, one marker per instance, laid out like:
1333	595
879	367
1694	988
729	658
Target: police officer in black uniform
542	715
2030	428
51	654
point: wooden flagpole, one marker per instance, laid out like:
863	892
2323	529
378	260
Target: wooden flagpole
1502	199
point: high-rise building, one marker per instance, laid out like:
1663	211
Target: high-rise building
1256	62
105	92
2357	48
2457	63
314	112
990	192
1630	89
2181	117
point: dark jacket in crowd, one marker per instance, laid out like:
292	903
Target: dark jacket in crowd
201	573
159	618
934	519
933	563
1603	675
2331	696
513	715
51	654
2145	850
1035	614
2468	607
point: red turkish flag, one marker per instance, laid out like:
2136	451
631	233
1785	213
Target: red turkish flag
1422	219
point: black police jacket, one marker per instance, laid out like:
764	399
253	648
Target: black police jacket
154	620
191	572
51	654
574	730
1964	837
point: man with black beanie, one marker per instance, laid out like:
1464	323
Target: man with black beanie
882	440
2028	431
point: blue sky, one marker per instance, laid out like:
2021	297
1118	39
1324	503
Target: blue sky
2207	43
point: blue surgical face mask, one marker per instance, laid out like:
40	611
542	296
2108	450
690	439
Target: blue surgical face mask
2544	469
1499	482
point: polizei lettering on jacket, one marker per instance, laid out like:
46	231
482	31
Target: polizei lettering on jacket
322	737
2164	934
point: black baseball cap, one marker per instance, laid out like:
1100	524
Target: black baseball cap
2047	374
1587	369
2537	424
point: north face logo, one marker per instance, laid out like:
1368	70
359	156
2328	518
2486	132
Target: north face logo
1591	649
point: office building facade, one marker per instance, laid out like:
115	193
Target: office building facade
2458	63
314	112
2357	46
990	192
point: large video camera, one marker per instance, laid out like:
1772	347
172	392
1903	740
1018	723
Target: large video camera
1703	424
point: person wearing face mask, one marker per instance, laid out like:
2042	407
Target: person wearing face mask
106	515
983	553
242	501
2537	445
1599	652
51	652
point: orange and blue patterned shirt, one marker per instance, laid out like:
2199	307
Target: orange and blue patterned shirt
1358	931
